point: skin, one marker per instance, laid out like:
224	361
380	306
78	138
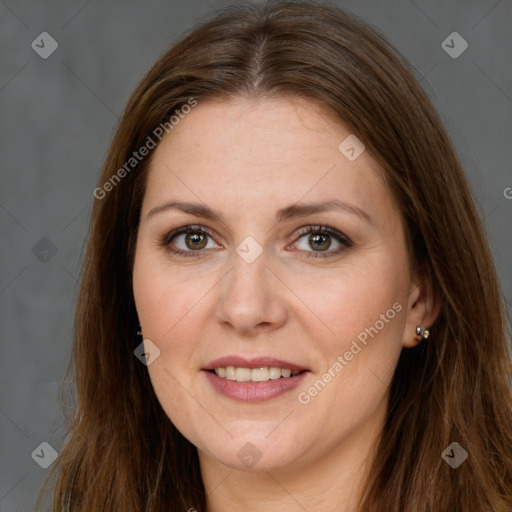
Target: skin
247	158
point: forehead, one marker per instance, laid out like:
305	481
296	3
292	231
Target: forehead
254	153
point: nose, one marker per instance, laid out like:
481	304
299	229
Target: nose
251	298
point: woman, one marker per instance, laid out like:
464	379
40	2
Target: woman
287	301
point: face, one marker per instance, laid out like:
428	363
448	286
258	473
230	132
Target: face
250	278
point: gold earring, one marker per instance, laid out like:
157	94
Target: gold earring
139	332
422	333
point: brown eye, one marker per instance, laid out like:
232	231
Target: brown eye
320	239
189	240
196	240
320	242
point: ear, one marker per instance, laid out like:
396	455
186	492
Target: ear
423	306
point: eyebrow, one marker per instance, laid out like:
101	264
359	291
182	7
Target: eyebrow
289	212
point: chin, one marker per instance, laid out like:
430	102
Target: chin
244	454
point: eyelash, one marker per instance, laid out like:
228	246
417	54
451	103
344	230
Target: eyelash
324	230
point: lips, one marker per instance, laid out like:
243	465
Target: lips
253	379
253	392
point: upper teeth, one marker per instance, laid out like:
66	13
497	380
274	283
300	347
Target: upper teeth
254	374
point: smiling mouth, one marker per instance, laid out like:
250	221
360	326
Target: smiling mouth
262	374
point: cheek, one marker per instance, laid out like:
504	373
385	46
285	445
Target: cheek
353	298
166	304
360	315
164	299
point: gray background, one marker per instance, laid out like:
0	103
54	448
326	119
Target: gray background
57	117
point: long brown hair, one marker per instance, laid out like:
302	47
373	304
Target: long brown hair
122	451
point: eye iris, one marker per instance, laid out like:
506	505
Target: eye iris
195	238
314	239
